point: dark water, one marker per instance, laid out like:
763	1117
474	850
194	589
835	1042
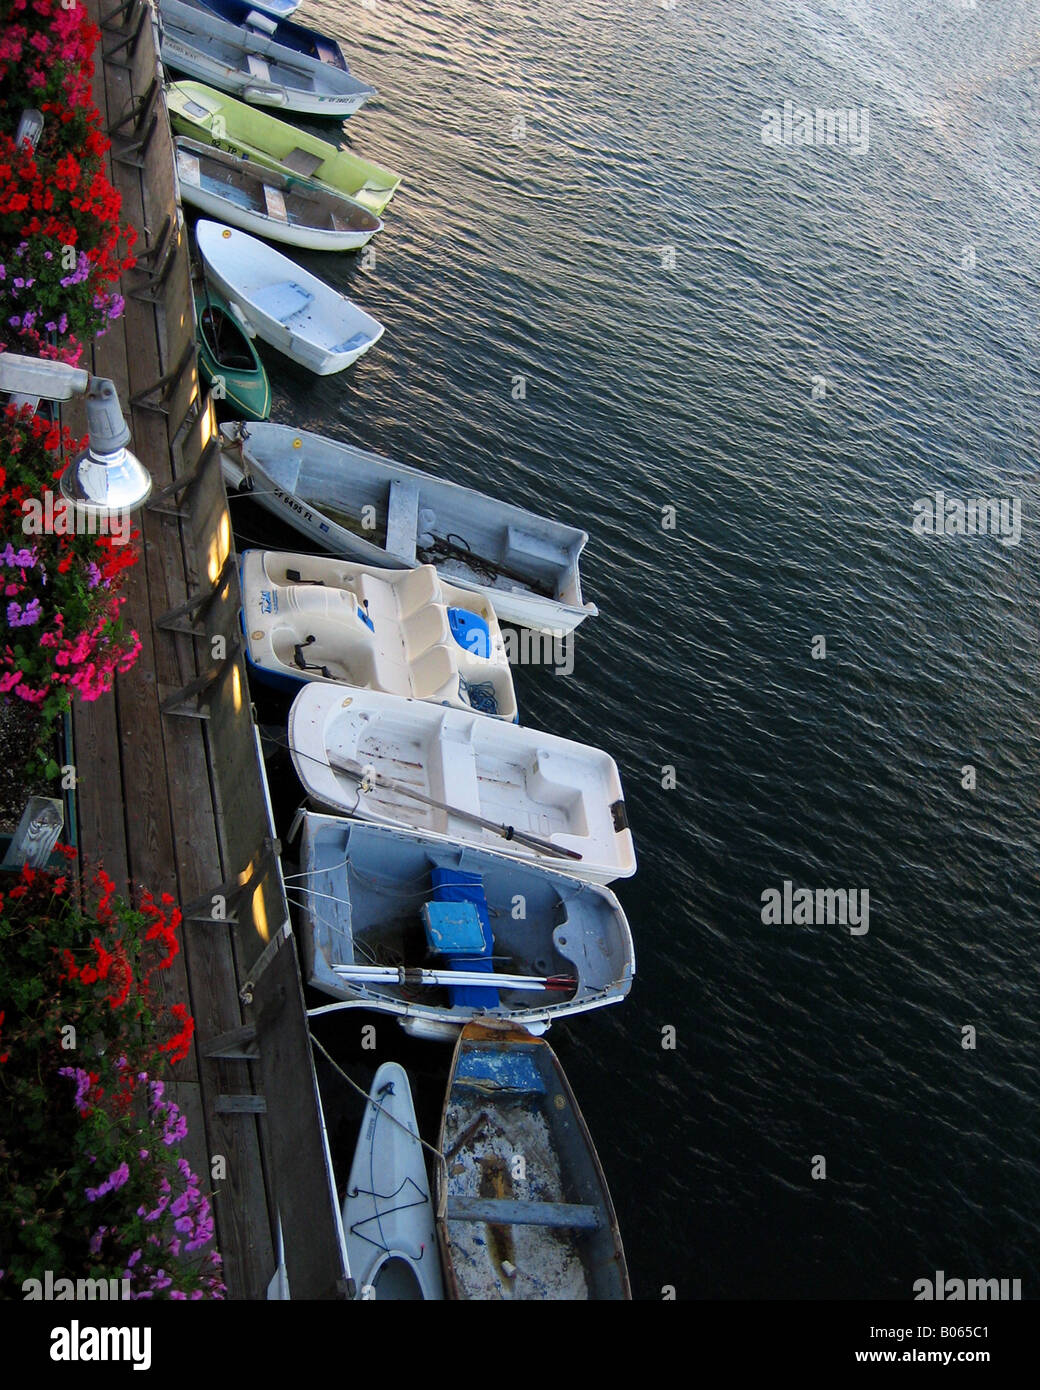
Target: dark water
537	251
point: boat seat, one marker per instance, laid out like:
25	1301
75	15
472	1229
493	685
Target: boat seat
425	628
256	20
349	344
258	67
282	301
402	518
523	545
417	588
500	1211
275	203
300	162
432	673
189	170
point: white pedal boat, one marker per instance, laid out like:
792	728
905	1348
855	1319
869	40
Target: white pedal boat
405	632
550	800
388	1218
250	64
285	305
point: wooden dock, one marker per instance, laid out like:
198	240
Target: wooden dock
170	790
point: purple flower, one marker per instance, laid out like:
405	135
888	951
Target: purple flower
176	1128
117	306
24	617
82	1084
24	559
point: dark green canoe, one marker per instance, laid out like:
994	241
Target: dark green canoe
227	359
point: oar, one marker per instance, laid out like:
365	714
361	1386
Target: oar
414	975
507	832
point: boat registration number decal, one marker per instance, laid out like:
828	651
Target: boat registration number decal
295	506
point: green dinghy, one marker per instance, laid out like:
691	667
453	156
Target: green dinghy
228	357
203	114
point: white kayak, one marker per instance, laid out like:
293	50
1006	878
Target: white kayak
463	778
252	65
285	305
405	632
388	1216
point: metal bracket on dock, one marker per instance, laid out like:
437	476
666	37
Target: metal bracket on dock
239	1044
143	119
196	607
183	481
127	25
232	891
191	699
156	264
240	1105
262	961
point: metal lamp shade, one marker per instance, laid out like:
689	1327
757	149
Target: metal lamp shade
107	478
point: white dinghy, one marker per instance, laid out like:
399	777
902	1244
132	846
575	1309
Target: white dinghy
249	64
463	778
285	305
405	632
378	905
284	207
380	512
388	1216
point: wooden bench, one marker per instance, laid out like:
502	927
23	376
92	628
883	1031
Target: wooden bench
499	1211
402	519
258	67
302	163
275	203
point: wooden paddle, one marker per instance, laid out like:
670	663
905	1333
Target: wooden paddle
507	832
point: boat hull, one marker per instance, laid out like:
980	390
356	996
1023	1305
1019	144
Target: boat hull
223	209
513	604
247	390
181	58
302	346
569	928
388	1218
549	1231
284	31
307	618
566	794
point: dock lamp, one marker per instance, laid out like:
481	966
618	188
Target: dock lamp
107	478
